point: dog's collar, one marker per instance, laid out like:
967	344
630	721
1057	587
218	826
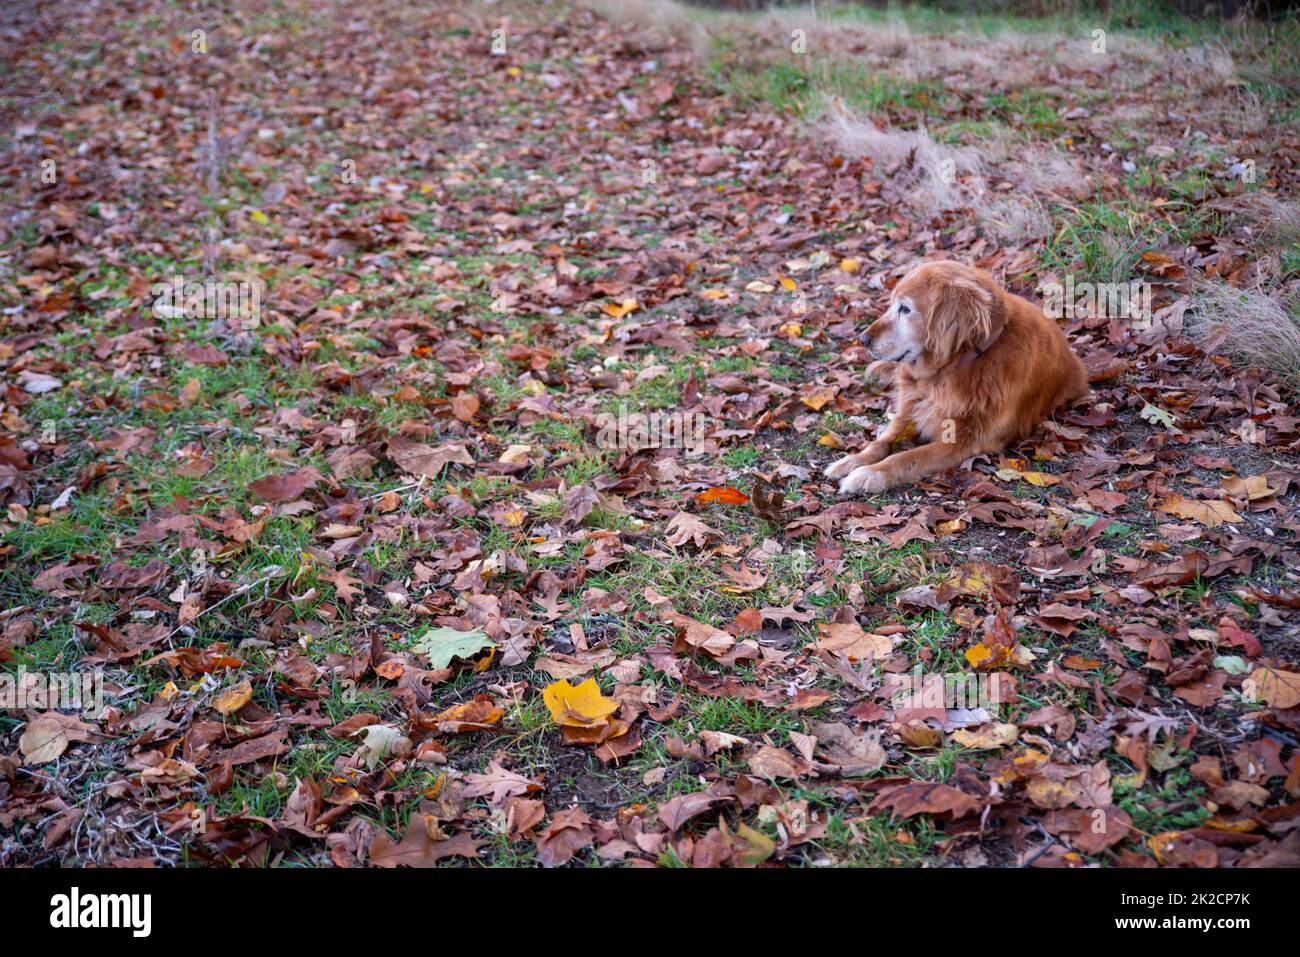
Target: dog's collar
974	352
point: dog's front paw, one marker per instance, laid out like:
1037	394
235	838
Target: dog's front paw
864	481
842	467
882	370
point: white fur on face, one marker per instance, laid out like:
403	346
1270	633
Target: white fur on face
904	339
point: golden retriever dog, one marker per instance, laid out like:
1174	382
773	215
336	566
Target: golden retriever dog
975	368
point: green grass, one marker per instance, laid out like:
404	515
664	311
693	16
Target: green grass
1173	804
1102	242
1157	20
801	84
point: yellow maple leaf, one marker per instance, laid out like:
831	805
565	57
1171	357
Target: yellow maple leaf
580	707
816	400
749	847
1040	479
971	580
474	712
981	656
486	661
619	310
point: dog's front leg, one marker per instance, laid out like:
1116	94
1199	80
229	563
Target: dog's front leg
906	467
876	450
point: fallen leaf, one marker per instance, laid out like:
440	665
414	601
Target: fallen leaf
418	849
578	707
234	698
441	645
1277	689
1211	513
726	495
48	735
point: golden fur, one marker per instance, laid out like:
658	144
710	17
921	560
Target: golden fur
975	368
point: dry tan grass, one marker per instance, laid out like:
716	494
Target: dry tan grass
932	177
927	171
1272	220
1006	58
664	19
1252	326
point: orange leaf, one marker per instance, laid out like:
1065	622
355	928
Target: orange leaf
620	310
748	621
235	698
726	495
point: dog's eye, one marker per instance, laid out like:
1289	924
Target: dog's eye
903	310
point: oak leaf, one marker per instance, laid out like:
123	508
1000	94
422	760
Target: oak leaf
418	848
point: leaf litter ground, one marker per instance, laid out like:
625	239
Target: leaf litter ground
367	588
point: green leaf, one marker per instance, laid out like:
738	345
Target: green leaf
1232	664
444	644
1157	416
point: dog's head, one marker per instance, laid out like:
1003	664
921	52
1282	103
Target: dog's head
937	311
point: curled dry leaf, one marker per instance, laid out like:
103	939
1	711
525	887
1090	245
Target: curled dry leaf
854	755
852	641
381	740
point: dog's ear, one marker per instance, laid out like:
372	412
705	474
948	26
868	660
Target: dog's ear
960	314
